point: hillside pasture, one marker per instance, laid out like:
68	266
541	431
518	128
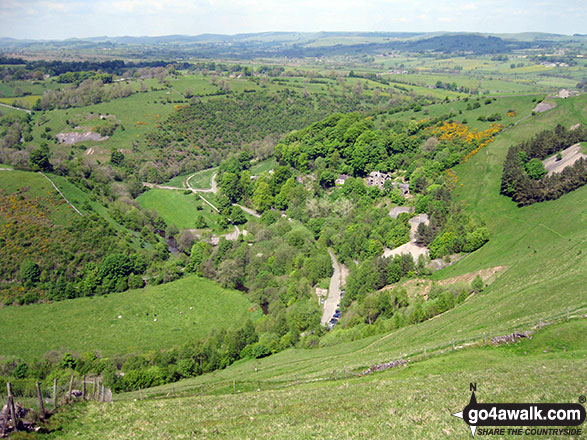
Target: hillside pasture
150	318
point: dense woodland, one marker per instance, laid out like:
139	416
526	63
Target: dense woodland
524	178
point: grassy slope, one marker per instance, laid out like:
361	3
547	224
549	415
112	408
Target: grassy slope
376	406
86	324
177	208
535	286
543	249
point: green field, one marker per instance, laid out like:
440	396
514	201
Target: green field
522	106
202	179
263	166
37	186
86	324
179	209
413	402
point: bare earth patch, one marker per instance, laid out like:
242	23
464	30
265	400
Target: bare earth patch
544	106
421	286
411	247
72	137
569	157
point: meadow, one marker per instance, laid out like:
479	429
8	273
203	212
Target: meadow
380	405
178	208
150	318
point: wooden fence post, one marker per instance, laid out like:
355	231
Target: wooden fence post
84	387
425	356
40	396
102	396
233	386
54	394
97	389
11	406
70	389
484	338
453	344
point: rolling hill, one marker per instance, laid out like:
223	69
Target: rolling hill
543	250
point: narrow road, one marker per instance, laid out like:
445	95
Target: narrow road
213	187
15	108
338	279
248	210
410	247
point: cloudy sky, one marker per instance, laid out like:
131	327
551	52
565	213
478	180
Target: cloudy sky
59	19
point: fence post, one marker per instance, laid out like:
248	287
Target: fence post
11	405
258	385
102	396
140	393
54	394
514	334
425	355
84	387
70	389
97	389
40	396
484	338
453	344
233	386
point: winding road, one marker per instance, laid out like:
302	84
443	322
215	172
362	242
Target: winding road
338	279
213	189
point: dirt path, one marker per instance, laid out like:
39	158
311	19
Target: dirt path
60	193
213	187
248	210
337	280
15	108
569	157
411	247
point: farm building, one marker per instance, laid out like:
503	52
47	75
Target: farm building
341	179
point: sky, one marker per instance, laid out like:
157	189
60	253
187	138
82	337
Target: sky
61	19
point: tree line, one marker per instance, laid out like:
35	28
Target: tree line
524	178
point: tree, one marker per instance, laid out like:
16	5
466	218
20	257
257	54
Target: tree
262	198
237	216
535	169
116	157
39	159
231	186
477	285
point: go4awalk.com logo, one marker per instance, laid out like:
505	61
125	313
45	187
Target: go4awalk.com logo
549	419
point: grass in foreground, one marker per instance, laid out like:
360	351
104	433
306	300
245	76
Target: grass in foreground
414	402
85	324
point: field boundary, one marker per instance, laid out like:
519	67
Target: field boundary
60	193
418	355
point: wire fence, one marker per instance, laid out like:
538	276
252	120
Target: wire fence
27	404
524	329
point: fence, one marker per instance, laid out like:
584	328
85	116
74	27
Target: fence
232	386
42	400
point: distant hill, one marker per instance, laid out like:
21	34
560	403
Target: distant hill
303	43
